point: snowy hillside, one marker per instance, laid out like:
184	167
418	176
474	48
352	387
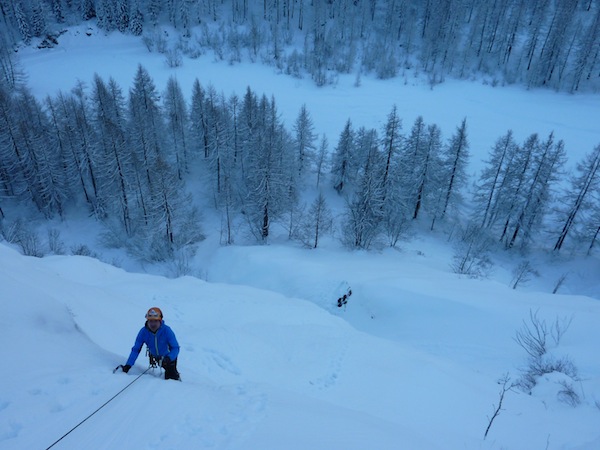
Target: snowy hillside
412	361
268	360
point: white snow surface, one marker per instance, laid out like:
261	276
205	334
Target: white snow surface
268	360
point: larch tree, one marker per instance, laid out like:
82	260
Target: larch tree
198	122
178	125
267	175
492	183
343	163
548	162
580	199
366	206
454	168
304	141
317	222
116	172
146	128
514	194
48	181
427	171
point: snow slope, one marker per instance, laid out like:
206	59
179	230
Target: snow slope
409	363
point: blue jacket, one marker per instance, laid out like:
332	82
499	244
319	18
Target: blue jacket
160	344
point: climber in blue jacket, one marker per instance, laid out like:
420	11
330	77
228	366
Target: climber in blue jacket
162	345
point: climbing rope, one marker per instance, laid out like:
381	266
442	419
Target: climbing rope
106	403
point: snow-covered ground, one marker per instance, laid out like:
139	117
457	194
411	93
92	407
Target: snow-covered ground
268	360
411	362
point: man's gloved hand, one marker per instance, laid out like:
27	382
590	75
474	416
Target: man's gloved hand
166	361
126	368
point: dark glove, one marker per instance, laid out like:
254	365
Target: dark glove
126	368
166	361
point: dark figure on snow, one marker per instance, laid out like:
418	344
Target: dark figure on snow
162	345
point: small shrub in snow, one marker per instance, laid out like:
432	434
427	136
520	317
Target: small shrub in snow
294	64
116	262
522	274
546	364
11	232
506	386
559	282
148	42
82	250
471	253
30	245
180	264
559	328
568	395
533	338
173	58
55	244
28	241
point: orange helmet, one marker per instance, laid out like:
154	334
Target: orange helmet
154	314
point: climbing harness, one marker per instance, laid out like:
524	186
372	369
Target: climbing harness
106	403
155	361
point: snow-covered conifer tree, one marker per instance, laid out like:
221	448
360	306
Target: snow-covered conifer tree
80	138
87	9
424	184
513	192
116	172
122	15
136	22
105	13
217	122
146	129
304	141
321	158
318	221
267	171
549	158
64	139
454	168
16	168
579	204
23	23
38	19
343	163
177	125
49	182
57	10
368	206
198	121
391	145
491	188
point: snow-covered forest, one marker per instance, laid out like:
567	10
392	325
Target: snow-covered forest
130	157
538	43
126	157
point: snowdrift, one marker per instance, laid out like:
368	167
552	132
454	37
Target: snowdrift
397	368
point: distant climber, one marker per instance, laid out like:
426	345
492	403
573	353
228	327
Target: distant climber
162	344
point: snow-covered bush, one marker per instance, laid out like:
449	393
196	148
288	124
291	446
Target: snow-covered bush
471	253
558	370
55	243
20	234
